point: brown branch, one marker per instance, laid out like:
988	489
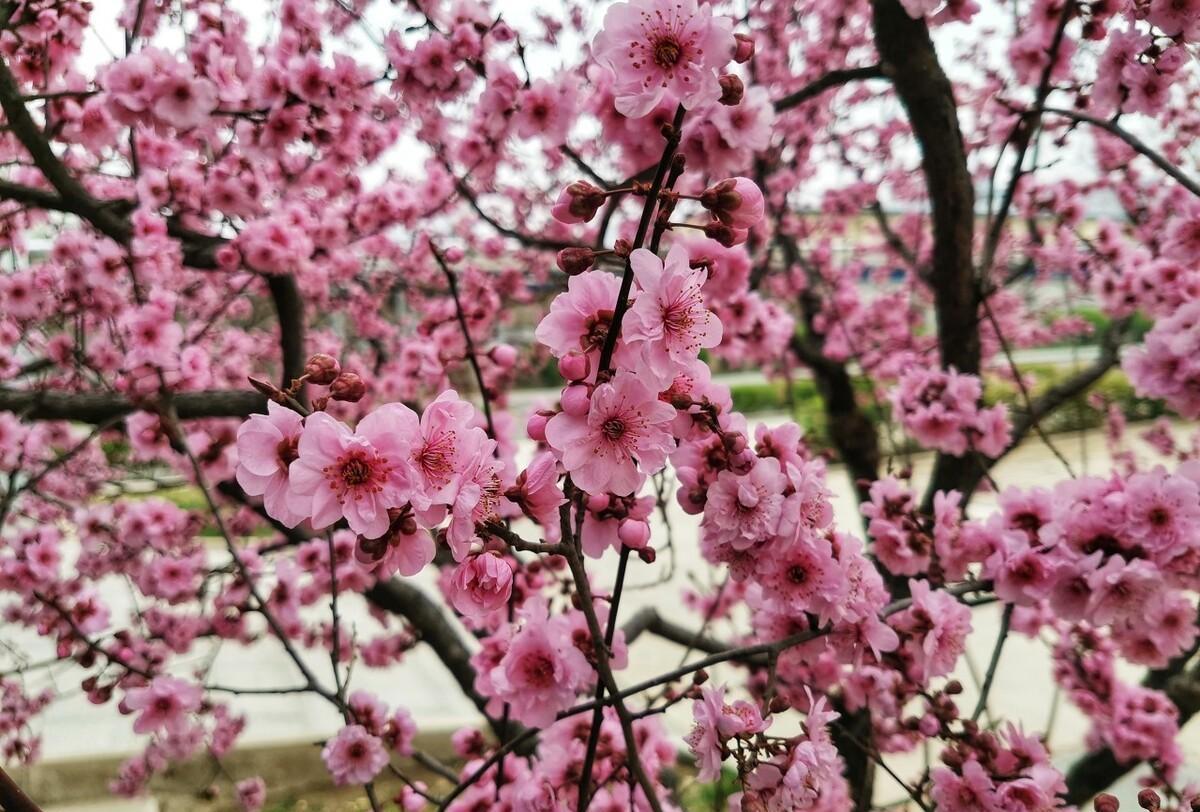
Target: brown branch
835	78
93	407
401	598
1132	140
13	798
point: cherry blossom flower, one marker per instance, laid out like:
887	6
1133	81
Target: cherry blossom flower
481	584
357	475
669	321
659	47
621	439
164	704
354	756
267	445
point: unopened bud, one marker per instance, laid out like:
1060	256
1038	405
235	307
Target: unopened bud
505	355
574	366
634	533
1106	803
732	90
575	260
743	51
700	677
536	427
578	203
1148	799
647	555
321	369
348	387
576	400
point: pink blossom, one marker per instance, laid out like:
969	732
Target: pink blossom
251	794
163	704
745	510
716	723
481	584
936	626
267	446
357	475
669	320
540	673
354	756
184	102
579	319
623	437
660	47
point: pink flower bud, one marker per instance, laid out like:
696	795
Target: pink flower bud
322	369
598	502
536	427
348	387
453	254
743	51
634	533
578	203
574	366
576	399
228	258
1106	803
736	202
732	90
481	584
575	260
505	355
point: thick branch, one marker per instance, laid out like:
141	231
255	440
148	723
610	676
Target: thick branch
88	407
432	623
909	59
835	78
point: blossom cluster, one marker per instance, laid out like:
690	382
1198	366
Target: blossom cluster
940	408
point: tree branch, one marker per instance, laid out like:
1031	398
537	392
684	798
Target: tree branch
835	78
1133	141
89	407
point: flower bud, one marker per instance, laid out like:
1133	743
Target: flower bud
453	254
576	400
536	427
321	369
743	51
575	260
1148	799
736	202
634	533
505	355
647	555
574	366
598	502
578	203
1106	803
732	90
726	235
348	387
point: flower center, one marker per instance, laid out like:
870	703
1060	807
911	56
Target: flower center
667	52
798	574
613	428
435	458
287	450
355	471
539	669
596	330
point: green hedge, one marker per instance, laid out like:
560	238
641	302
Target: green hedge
1078	413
